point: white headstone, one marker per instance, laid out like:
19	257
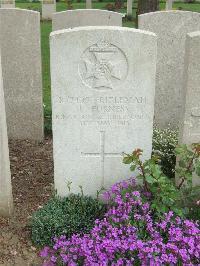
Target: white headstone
6	201
85	17
129	8
7	3
48	9
169	4
103	81
21	67
171	28
190	122
88	4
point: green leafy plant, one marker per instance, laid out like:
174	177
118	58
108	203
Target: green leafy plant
190	200
69	215
163	192
188	164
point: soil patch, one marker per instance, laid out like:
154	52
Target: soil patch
32	181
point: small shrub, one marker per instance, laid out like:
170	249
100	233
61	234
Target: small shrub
164	144
66	216
190	1
69	5
110	7
117	5
190	199
129	17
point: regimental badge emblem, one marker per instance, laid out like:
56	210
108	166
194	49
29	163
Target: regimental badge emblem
103	66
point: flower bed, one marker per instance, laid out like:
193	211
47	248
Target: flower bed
129	234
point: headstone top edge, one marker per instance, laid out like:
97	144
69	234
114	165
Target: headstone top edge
20	10
93	28
166	12
89	10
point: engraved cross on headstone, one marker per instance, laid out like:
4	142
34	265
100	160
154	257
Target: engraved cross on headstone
102	155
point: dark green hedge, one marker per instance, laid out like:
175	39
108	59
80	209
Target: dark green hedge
66	216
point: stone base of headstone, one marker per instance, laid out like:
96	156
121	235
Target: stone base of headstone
47	11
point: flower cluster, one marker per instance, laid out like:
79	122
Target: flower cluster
129	235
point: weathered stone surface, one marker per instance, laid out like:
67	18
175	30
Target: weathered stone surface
171	28
85	17
129	7
6	201
103	81
190	120
48	9
21	67
88	4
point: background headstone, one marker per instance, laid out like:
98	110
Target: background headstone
48	8
21	68
85	17
6	201
129	8
190	122
169	4
88	4
171	28
103	81
7	3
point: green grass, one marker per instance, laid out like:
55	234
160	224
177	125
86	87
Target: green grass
46	29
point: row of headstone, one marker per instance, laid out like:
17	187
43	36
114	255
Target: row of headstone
103	81
103	94
21	63
171	28
49	8
22	95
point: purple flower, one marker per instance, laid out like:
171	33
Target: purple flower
127	234
45	252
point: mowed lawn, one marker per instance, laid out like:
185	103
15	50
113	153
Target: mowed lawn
46	29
